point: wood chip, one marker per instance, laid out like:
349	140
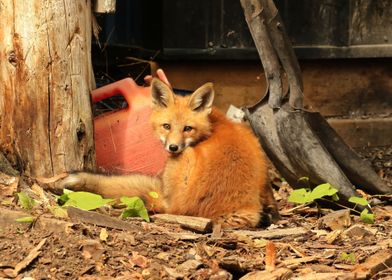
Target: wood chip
217	231
278	274
375	263
8	185
297	251
27	260
54	225
359	231
8	218
78	215
329	276
92	249
198	224
273	233
186	236
174	273
296	261
189	265
139	260
337	220
333	236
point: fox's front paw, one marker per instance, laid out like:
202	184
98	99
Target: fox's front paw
73	182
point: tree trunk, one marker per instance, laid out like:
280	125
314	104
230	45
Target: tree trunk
45	82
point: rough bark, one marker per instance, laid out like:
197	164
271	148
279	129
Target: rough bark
45	83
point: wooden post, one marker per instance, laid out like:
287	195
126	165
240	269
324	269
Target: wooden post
45	82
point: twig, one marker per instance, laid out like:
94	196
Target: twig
296	208
30	257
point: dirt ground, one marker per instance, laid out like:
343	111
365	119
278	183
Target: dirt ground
307	243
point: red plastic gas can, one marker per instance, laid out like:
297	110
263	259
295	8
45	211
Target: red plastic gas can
124	140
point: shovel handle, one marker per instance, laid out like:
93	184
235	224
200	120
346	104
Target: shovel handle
285	51
256	19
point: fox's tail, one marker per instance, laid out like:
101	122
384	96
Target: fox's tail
118	186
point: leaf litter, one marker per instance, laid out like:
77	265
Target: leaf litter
306	244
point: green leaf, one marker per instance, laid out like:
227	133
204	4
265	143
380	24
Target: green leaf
135	208
86	200
25	201
58	211
322	190
153	194
27	219
335	197
300	196
348	257
359	200
367	217
62	199
67	191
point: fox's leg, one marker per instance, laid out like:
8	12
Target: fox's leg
118	186
269	208
239	219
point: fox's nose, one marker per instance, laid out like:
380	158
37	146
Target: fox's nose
173	148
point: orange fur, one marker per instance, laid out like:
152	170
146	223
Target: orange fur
218	170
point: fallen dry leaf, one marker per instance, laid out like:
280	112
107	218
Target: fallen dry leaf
139	260
92	249
8	185
103	234
270	256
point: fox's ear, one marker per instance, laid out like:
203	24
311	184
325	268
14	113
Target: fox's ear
161	94
202	98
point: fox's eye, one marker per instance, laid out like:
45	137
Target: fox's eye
188	128
166	126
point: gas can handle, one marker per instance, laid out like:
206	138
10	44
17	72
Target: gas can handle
125	87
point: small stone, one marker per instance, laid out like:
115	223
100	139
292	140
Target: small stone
163	256
139	260
189	265
92	249
337	220
174	273
359	231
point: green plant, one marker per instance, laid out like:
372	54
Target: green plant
307	196
303	196
365	216
25	201
82	200
27	219
134	208
90	201
350	257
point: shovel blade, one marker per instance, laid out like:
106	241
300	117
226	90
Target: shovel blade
298	149
307	153
357	170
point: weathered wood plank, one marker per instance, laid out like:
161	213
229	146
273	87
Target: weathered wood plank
195	223
273	233
77	215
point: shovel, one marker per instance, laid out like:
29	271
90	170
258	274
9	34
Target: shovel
298	142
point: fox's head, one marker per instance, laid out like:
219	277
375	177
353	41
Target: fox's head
181	121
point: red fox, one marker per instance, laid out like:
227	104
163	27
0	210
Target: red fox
216	168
